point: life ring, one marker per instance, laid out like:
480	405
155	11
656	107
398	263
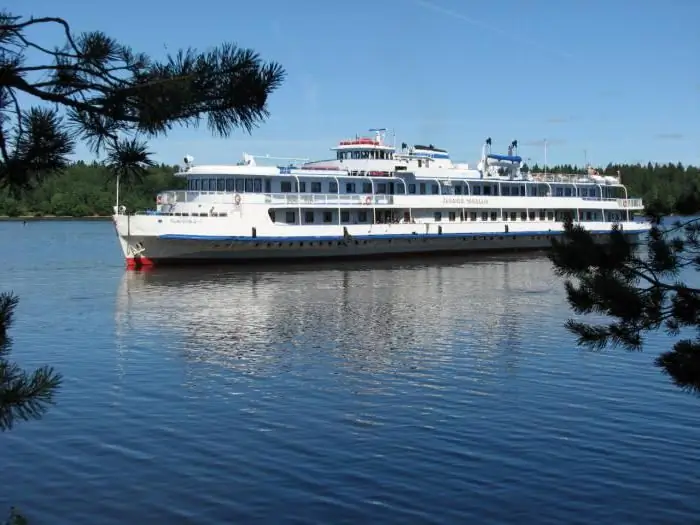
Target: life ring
237	199
368	200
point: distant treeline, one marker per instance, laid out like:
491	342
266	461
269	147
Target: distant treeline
85	190
88	189
665	188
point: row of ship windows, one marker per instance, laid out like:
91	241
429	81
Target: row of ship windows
254	185
362	154
327	217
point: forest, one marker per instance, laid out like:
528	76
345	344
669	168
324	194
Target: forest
84	190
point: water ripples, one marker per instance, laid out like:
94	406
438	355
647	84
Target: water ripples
425	392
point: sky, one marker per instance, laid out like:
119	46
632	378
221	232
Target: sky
602	80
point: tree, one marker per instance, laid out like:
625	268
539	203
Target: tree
22	396
94	89
638	290
98	90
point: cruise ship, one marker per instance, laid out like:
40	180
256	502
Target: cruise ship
372	199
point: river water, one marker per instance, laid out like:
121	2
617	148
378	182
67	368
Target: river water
435	391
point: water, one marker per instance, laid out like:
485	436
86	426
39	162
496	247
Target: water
443	391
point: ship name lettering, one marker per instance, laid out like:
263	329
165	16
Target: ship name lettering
464	200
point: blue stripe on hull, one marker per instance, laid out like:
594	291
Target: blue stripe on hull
375	236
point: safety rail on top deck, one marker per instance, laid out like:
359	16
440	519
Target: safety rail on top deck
571	178
173	197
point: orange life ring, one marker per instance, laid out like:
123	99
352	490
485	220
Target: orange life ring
237	199
368	200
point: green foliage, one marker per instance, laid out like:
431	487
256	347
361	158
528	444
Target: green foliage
84	190
97	90
637	290
665	188
16	518
23	396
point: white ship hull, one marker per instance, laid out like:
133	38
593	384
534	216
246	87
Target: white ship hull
370	201
339	243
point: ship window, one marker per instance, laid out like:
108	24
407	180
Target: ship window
513	216
412	189
472	215
230	182
195	184
487	190
350	187
327	216
333	187
560	192
542	215
453	216
477	190
271	213
381	188
400	190
315	187
268	186
422	188
533	191
523	216
302	186
458	189
366	187
220	184
345	216
285	187
308	216
435	189
249	185
494	216
240	185
362	216
205	184
257	185
531	215
438	216
567	192
550	216
212	184
484	216
290	217
505	190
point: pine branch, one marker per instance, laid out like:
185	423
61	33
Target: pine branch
108	92
631	291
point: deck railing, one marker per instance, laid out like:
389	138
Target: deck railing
326	198
300	199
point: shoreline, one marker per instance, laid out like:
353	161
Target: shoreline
34	218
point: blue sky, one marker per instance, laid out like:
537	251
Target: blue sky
615	78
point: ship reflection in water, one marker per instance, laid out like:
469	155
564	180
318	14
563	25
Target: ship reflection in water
374	317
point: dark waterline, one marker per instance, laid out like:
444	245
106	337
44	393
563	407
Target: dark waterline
436	391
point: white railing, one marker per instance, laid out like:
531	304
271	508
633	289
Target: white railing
327	198
572	178
298	199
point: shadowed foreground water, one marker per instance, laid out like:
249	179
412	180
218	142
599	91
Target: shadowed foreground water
442	391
